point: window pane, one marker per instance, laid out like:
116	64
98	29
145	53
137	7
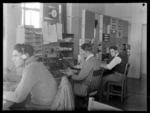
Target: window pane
22	17
28	17
32	17
31	5
35	19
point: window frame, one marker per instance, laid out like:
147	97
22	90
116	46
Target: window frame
24	9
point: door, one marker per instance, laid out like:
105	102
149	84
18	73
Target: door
144	50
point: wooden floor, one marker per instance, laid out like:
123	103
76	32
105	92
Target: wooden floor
136	96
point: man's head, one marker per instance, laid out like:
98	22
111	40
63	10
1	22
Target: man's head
87	48
21	53
113	50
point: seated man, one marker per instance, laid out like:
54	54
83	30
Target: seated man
36	79
90	64
117	65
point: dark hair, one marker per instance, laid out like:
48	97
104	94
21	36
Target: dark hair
24	48
87	47
113	47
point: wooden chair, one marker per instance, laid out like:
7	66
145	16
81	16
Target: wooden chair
90	91
99	75
97	106
112	86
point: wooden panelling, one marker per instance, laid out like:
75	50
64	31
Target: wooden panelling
89	24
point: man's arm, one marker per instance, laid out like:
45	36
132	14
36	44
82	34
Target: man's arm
23	88
85	70
112	64
11	75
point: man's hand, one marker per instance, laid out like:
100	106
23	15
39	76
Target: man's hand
103	65
69	72
7	86
6	71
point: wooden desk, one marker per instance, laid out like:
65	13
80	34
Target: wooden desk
7	104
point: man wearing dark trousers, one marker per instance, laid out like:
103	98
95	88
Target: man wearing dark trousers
116	65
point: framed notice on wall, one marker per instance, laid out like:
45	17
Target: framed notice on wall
106	37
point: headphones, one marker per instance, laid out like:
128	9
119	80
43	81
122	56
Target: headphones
23	56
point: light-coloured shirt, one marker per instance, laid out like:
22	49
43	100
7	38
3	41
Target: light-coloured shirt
116	60
85	74
89	57
37	81
89	64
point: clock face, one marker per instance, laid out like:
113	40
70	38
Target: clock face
54	13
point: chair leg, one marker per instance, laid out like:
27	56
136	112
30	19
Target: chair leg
126	88
122	95
100	94
108	88
123	92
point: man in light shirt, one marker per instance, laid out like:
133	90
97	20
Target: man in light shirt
36	80
116	65
89	65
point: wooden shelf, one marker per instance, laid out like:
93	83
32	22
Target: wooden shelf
66	50
67	46
67	57
65	42
31	36
47	18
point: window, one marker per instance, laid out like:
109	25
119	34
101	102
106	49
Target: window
31	14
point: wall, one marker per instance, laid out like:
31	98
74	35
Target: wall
74	17
144	50
12	19
135	14
4	35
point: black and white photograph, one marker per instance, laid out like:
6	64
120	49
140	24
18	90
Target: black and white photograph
74	56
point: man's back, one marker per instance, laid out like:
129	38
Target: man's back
95	79
45	87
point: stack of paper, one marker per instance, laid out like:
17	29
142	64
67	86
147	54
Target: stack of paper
59	31
49	33
52	33
45	33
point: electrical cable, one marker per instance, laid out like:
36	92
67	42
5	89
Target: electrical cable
66	62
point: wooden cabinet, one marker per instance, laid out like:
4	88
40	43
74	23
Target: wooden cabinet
32	36
66	47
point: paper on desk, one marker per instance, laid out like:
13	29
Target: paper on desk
59	31
45	33
49	33
52	33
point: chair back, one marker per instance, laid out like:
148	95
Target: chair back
97	106
126	71
96	78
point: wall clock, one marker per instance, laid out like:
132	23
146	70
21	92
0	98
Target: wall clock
53	13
